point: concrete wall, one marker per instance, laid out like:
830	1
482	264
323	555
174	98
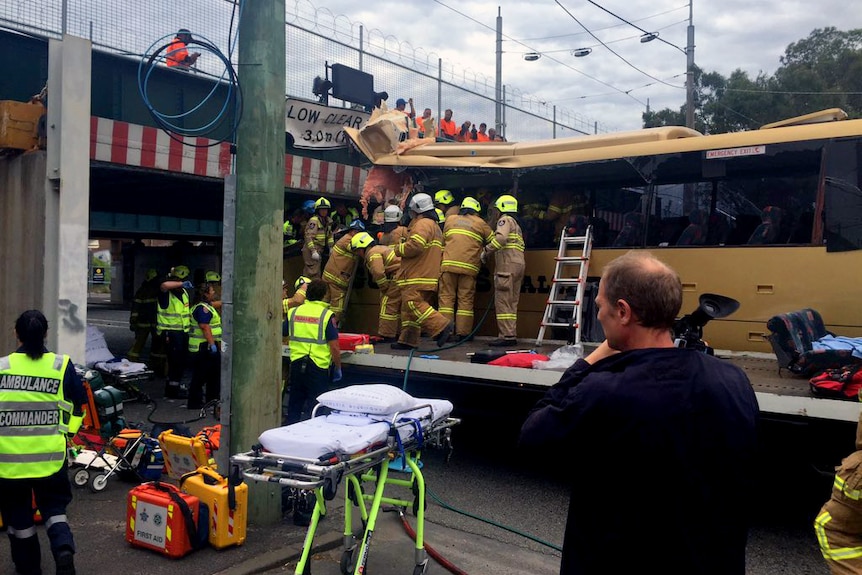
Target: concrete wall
22	239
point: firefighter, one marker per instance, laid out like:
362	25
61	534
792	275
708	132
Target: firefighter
393	232
342	215
318	239
445	202
142	320
339	269
289	233
298	298
508	247
441	218
34	453
382	265
421	254
838	525
172	323
465	236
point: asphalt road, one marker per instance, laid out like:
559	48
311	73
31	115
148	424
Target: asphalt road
484	503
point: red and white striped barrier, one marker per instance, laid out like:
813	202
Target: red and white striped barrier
147	147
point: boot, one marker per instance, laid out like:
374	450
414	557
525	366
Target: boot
65	561
26	555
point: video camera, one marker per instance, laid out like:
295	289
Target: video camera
688	330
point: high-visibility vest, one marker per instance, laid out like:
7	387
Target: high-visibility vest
34	415
176	316
177	53
196	334
307	332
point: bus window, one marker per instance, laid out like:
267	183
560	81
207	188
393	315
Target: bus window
843	197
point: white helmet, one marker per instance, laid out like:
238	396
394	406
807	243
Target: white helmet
392	214
421	203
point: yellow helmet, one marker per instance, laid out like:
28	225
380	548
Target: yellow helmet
361	240
180	272
151	273
213	276
471	204
322	204
444	197
507	204
441	217
302	280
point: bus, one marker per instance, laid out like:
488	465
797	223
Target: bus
770	217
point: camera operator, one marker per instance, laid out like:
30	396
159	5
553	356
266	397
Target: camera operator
663	439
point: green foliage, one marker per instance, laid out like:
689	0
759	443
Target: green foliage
821	71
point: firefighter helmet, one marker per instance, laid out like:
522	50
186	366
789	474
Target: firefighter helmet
151	273
212	276
356	225
471	204
361	240
322	204
444	197
392	214
421	203
507	204
180	272
308	206
302	280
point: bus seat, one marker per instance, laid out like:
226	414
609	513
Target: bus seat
632	231
792	335
695	233
769	228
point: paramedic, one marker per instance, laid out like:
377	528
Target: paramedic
142	319
465	235
214	279
204	348
339	269
838	525
382	265
318	239
650	426
417	277
508	245
33	445
314	350
172	323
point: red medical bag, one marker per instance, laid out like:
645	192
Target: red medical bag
349	341
161	517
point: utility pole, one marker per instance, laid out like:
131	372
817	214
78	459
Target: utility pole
498	91
255	304
689	70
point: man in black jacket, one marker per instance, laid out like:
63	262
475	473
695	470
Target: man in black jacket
662	439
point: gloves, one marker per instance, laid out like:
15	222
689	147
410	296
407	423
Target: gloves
336	374
213	348
188	285
315	256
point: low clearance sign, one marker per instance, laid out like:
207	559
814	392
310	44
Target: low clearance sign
319	127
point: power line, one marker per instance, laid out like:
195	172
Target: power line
610	41
605	28
611	50
618	17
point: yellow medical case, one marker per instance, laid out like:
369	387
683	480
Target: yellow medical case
19	123
227	501
184	454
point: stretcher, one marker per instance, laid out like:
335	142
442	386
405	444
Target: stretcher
318	454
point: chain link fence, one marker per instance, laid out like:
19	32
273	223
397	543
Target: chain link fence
315	38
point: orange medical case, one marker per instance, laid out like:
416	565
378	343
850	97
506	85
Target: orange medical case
184	454
161	517
227	502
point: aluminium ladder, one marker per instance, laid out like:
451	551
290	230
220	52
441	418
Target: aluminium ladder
570	273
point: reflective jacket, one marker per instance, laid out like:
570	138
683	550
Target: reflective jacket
196	334
382	264
143	314
34	415
341	262
465	237
318	235
307	332
420	255
177	53
176	316
448	129
508	243
393	238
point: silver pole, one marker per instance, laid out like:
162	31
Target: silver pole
689	70
498	92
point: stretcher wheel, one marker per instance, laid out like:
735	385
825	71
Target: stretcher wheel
98	482
416	506
421	568
348	560
330	488
81	478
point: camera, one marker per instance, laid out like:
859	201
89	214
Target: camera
688	330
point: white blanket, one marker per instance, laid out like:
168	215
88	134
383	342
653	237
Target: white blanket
347	433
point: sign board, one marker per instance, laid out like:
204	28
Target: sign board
98	275
735	152
318	127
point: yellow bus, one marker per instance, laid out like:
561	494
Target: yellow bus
770	217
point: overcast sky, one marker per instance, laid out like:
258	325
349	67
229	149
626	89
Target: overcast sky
612	89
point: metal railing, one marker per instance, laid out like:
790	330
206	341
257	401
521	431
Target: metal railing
315	38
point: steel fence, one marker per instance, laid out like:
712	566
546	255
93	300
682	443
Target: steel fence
315	38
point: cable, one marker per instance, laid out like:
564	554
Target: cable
445	563
202	414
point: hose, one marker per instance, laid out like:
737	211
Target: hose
433	553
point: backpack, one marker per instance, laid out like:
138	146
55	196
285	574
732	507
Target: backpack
838	383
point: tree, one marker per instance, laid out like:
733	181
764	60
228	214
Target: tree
821	71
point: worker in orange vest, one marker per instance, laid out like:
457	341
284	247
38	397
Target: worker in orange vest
178	55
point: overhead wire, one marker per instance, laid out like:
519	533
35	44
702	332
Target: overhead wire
605	28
